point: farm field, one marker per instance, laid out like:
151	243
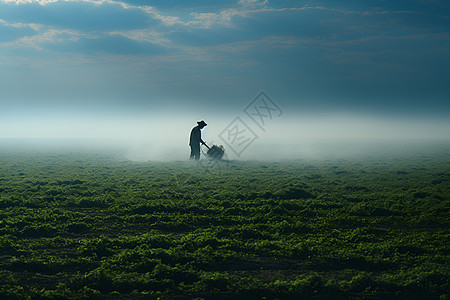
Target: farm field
90	225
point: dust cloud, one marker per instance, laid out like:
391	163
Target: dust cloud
166	138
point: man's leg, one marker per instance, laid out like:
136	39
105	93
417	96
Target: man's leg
197	155
192	153
195	152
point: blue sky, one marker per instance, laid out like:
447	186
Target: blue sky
99	60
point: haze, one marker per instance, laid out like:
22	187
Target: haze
139	74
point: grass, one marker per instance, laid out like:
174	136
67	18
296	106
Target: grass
86	225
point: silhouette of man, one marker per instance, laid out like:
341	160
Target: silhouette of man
196	139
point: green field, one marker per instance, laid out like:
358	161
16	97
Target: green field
89	225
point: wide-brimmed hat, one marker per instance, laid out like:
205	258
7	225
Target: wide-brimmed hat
202	123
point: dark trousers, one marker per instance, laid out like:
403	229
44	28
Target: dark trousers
195	152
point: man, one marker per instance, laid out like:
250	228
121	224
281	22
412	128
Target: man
196	139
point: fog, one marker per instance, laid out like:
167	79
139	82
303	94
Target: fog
162	138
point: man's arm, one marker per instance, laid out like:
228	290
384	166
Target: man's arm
200	138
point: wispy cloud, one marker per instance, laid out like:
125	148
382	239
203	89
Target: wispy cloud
52	36
199	49
41	2
21	25
254	3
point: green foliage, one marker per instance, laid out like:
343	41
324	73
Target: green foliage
88	226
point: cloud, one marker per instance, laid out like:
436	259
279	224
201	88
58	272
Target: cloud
323	52
83	16
43	39
11	32
41	2
181	4
109	43
254	3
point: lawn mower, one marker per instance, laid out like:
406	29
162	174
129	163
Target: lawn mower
214	152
